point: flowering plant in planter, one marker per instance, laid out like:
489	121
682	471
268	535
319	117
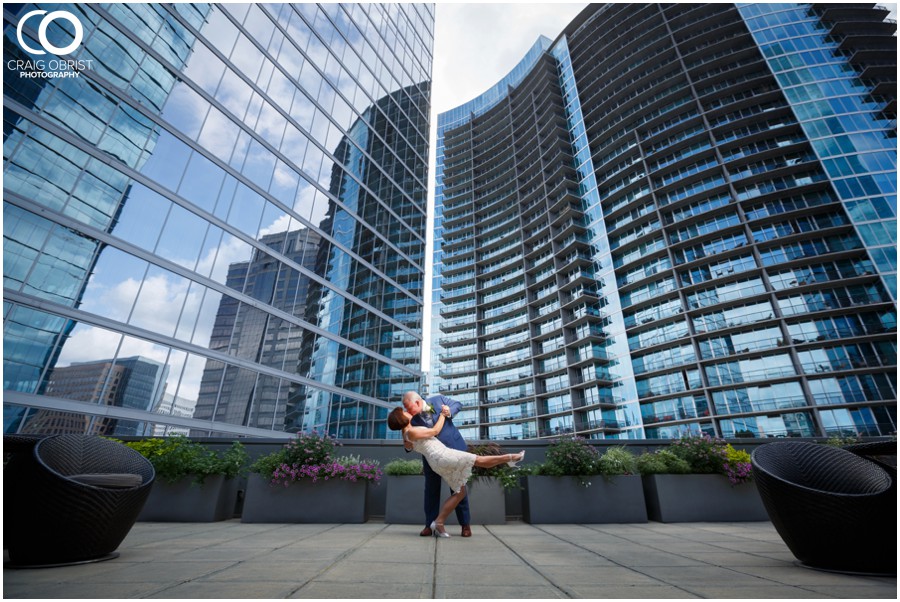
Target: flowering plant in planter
698	455
310	456
705	454
507	476
569	457
737	466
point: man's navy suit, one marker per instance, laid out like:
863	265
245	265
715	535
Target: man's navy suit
451	437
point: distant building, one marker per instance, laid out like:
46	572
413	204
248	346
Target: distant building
174	406
675	218
136	383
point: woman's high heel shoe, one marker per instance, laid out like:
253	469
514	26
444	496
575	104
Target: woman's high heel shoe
436	532
519	457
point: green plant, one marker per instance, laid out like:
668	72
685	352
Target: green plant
309	456
737	466
306	449
698	455
507	476
176	457
617	461
403	468
570	456
704	454
662	462
842	441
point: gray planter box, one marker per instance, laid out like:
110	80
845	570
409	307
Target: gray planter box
683	498
332	501
186	501
618	499
405	501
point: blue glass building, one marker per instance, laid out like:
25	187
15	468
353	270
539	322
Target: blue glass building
676	218
233	193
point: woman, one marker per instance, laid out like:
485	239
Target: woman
454	466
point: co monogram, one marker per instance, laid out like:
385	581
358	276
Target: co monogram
42	32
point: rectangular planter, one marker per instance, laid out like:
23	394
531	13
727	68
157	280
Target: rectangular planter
405	501
332	501
682	498
618	499
187	501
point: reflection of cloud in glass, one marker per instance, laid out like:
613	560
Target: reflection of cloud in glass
168	299
281	224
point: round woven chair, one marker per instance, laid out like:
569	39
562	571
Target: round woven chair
72	499
835	510
883	453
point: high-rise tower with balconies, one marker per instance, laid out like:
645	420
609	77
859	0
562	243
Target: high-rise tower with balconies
675	218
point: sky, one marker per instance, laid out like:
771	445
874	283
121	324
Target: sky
475	46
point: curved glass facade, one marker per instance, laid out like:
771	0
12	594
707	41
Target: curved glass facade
681	219
214	217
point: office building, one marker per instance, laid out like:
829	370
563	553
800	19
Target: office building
134	382
675	218
224	190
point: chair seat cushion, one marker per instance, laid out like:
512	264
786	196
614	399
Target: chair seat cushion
109	480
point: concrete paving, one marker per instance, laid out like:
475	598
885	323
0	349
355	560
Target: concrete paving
516	560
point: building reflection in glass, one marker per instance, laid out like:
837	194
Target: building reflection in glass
190	201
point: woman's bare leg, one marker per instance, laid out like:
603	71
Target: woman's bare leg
448	507
491	461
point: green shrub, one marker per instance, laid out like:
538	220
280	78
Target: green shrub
570	456
662	462
507	476
403	467
704	454
176	457
842	441
617	461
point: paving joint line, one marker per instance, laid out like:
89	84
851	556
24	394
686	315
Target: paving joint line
659	549
434	568
559	588
619	564
238	562
713	545
342	556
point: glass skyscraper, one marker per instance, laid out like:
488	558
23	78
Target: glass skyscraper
676	218
214	216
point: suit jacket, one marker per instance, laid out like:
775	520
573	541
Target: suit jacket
449	435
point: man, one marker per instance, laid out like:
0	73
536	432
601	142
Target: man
424	414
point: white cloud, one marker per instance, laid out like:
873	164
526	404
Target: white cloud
476	45
281	224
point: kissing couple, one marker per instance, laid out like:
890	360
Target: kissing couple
444	456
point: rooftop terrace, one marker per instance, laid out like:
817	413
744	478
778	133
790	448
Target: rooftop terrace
231	559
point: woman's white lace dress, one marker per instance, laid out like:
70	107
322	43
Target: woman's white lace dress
454	466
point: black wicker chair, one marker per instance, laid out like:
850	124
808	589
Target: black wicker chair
835	510
70	499
883	453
